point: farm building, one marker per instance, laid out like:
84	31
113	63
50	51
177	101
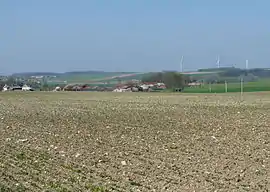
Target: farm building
145	87
12	88
57	88
195	84
5	88
26	88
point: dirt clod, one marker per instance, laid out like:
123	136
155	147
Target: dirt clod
134	142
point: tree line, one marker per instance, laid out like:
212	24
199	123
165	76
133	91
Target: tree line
170	79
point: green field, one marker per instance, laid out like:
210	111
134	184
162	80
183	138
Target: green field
84	78
103	77
263	85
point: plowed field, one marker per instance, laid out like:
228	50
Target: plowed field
134	142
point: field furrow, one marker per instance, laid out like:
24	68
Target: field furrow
134	142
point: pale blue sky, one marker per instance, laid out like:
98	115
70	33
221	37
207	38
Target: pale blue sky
132	35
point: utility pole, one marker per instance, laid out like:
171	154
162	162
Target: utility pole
241	88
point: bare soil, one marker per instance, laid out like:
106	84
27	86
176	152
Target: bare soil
134	142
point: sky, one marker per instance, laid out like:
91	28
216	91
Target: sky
132	35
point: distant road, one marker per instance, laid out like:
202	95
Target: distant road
199	72
125	75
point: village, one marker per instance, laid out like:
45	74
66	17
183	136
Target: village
125	87
17	88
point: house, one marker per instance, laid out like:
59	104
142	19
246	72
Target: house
6	88
26	88
195	84
122	90
57	88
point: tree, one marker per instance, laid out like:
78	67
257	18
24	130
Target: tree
248	78
153	77
171	79
45	86
10	81
212	79
232	72
2	84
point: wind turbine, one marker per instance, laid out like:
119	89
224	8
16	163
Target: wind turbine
181	64
246	64
218	62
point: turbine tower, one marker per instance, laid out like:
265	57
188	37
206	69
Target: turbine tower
246	64
218	62
181	64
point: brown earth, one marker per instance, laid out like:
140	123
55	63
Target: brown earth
134	142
